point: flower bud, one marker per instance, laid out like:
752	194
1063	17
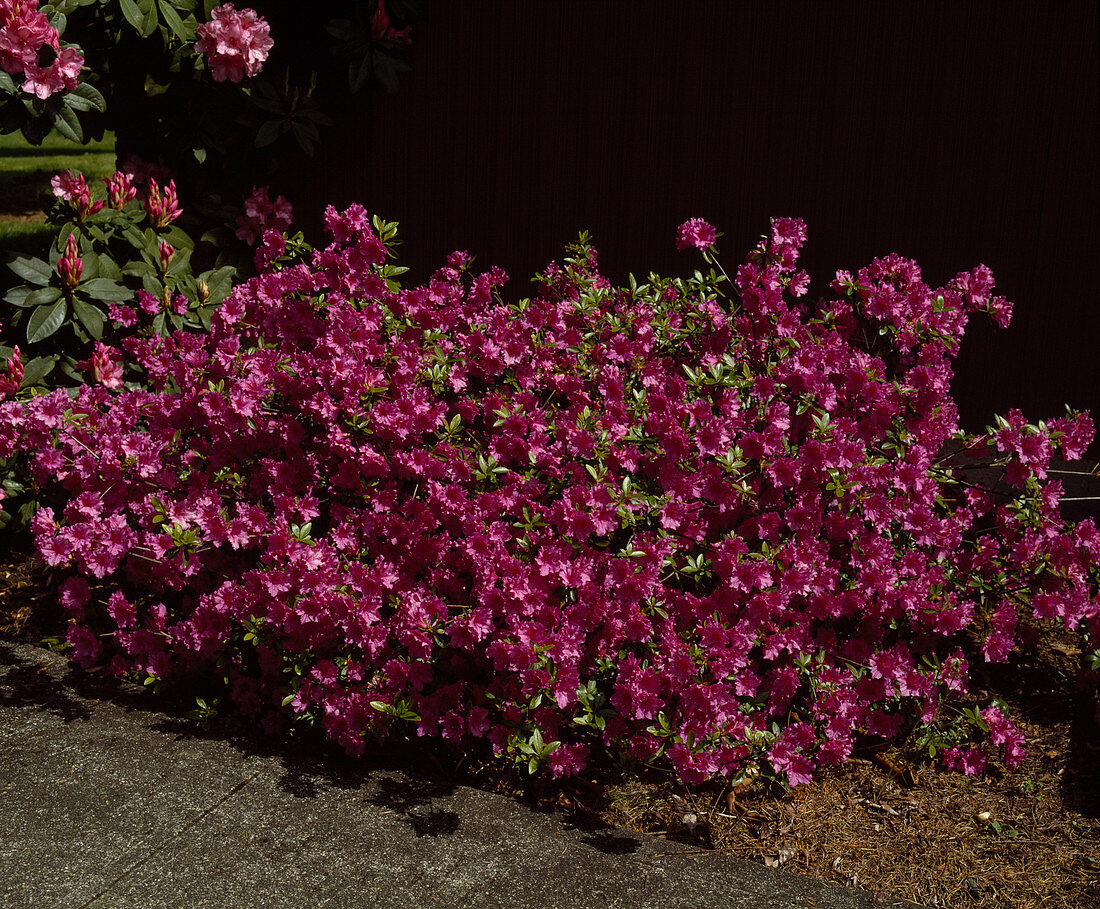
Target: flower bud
70	266
10	384
166	253
120	189
163	208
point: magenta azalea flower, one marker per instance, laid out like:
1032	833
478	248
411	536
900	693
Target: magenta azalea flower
697	233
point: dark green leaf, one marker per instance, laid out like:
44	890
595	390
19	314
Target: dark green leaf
33	270
36	370
6	83
359	72
42	297
17	296
65	121
90	95
180	263
44	321
342	29
133	236
90	317
219	282
108	268
177	237
158	323
138	267
184	31
149	18
106	290
269	132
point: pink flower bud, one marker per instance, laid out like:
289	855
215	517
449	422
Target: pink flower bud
166	253
120	189
10	384
163	208
70	266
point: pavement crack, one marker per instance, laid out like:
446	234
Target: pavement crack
206	812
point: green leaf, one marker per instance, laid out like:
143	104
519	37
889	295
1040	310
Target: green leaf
177	237
36	370
17	296
89	95
106	290
42	296
7	84
219	282
65	121
359	72
33	270
44	321
184	31
268	132
150	19
90	317
139	268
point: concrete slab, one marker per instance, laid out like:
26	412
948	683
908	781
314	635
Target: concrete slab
107	803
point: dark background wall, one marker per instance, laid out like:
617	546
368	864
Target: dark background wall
953	133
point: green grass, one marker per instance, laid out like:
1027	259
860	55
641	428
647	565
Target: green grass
25	172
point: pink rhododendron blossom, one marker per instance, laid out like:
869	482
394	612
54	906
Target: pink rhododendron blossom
73	188
235	43
62	75
695	232
29	45
24	30
68	186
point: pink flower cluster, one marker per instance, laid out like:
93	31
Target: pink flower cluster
720	533
261	214
380	28
235	44
74	188
31	47
697	233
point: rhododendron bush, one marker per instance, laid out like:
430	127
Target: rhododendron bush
705	522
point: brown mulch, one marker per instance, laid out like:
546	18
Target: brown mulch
885	823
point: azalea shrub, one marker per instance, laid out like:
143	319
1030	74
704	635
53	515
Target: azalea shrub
707	522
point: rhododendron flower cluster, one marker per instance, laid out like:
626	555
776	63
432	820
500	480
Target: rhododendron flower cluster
235	43
31	47
74	188
261	214
718	526
380	28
